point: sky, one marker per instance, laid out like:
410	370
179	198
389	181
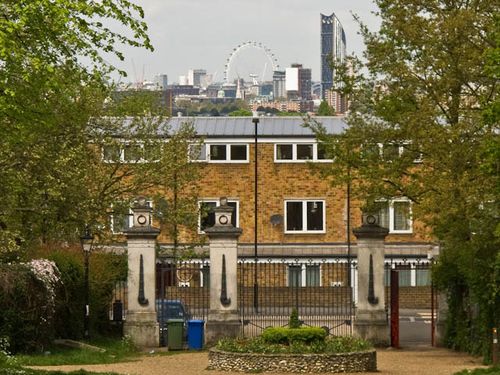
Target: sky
201	34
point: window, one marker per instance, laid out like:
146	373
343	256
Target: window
132	153
304	152
218	152
284	152
226	153
395	215
312	275
207	215
294	276
404	275
205	276
128	153
299	152
304	216
300	275
111	153
392	151
423	276
198	152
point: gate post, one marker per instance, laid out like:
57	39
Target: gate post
141	321
223	319
371	319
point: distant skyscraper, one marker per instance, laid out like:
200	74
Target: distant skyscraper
195	76
279	89
332	44
161	81
298	82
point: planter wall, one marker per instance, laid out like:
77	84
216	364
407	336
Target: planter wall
298	363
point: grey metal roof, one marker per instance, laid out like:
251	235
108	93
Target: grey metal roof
233	127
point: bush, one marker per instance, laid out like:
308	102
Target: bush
281	335
260	345
105	270
294	321
27	300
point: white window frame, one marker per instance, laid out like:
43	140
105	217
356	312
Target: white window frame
203	145
304	216
217	204
121	158
303	274
228	153
391	216
294	153
401	147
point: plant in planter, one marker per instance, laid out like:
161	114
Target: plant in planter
293	349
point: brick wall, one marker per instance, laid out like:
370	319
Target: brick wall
277	182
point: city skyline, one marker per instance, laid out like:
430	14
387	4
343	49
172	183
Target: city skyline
200	34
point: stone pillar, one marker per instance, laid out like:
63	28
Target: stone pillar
371	319
141	321
223	318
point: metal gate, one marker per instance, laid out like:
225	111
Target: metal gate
320	290
182	293
410	301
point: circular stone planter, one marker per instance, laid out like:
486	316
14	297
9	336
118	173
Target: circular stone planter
302	363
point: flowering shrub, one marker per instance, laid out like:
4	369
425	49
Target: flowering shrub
47	272
27	295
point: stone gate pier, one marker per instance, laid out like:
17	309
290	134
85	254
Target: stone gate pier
223	318
371	319
141	323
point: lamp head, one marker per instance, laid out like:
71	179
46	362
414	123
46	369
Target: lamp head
86	240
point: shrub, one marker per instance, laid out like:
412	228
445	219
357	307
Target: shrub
294	321
105	270
281	335
260	345
27	293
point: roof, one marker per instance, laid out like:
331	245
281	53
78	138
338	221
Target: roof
267	126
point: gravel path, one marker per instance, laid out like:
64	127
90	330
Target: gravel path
419	361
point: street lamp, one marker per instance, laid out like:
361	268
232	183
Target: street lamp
86	240
255	120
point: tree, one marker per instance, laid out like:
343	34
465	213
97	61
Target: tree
325	109
49	174
240	112
417	129
176	184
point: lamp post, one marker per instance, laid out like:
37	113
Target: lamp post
86	240
255	120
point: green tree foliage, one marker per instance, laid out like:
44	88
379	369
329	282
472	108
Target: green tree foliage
240	113
51	182
176	180
423	125
325	110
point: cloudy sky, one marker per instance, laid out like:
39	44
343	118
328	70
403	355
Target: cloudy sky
201	34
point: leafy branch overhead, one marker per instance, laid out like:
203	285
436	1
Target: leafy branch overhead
53	81
423	124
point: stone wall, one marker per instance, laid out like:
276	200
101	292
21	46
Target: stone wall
299	363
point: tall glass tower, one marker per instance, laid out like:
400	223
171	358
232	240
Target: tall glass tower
332	43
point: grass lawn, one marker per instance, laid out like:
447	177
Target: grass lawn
24	371
116	351
481	371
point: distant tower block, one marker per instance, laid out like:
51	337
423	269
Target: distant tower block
333	43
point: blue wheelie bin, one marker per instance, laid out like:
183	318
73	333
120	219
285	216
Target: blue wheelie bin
195	331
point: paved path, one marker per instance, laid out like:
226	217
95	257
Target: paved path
416	361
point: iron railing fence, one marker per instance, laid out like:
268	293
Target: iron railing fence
320	290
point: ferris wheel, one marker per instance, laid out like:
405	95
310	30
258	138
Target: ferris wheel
244	46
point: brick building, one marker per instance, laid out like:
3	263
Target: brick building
288	186
300	216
